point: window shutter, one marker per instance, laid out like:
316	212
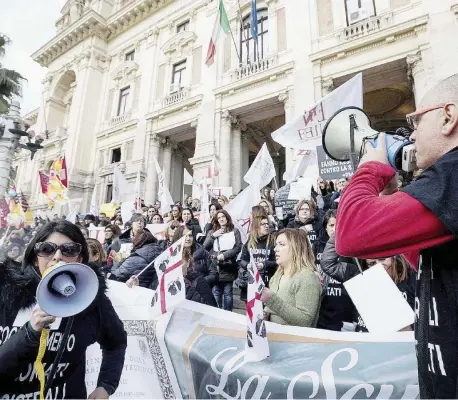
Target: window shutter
281	29
196	66
109	104
160	81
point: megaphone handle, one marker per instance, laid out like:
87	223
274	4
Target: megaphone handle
60	351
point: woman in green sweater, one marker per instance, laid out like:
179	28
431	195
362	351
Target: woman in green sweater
294	295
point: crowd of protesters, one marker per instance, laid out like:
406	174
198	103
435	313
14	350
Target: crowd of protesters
295	255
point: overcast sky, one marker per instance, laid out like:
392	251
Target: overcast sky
29	24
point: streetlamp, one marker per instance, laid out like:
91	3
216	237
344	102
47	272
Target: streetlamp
12	129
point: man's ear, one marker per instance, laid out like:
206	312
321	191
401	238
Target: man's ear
449	119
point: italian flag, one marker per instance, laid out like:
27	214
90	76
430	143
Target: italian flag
221	23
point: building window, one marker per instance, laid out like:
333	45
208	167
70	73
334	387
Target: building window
130	56
249	50
109	194
123	98
358	10
178	75
116	155
184	26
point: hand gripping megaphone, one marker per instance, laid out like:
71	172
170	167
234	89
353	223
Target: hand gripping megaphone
67	289
347	131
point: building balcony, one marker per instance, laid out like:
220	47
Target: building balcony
254	68
176	96
366	27
369	33
120	119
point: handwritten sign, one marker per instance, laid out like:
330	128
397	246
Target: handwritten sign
283	201
330	169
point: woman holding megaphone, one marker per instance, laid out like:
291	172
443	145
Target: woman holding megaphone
39	363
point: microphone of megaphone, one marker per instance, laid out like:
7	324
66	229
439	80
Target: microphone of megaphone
67	289
347	131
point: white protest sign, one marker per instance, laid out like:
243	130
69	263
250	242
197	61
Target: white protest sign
223	190
158	230
224	242
379	302
300	190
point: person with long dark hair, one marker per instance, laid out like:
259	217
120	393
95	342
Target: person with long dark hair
145	249
187	215
59	241
225	257
199	269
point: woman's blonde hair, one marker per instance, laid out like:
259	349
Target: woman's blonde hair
95	249
269	206
302	254
254	232
400	269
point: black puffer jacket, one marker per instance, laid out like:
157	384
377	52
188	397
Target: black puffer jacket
19	346
200	279
138	260
228	268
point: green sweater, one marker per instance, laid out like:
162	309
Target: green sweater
297	303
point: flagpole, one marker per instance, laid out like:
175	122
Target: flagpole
275	180
242	28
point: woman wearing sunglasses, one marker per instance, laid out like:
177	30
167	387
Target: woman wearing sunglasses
55	242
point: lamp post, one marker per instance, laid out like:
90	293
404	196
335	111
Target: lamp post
12	128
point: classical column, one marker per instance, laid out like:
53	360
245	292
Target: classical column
225	149
245	161
151	178
167	164
418	75
236	156
289	115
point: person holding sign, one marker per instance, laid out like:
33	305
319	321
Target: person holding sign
295	291
224	243
260	248
420	220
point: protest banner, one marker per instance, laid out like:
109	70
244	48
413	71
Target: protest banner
330	169
198	351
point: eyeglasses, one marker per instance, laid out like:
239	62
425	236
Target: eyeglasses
304	209
413	119
108	231
266	224
48	249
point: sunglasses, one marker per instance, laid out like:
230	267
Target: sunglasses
48	249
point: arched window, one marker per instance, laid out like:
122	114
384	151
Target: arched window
249	51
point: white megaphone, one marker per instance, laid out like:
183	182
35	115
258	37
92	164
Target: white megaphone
67	289
346	132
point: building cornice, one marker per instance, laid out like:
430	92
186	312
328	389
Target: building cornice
389	35
90	24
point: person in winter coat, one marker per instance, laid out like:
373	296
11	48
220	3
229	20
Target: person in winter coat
342	270
112	233
145	250
58	241
199	269
337	311
294	295
225	257
307	217
260	247
122	249
212	208
190	222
